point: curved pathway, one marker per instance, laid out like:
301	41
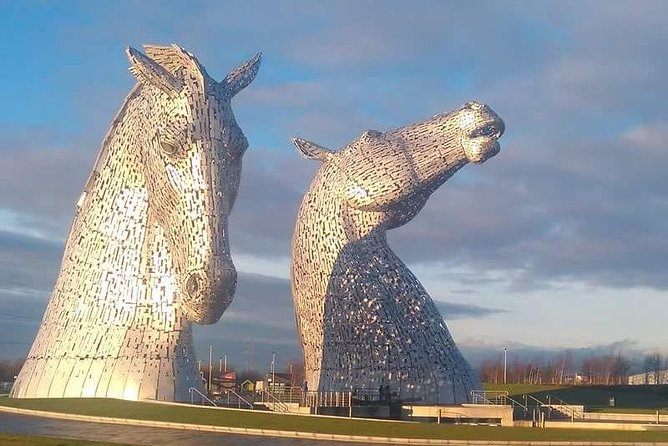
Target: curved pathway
137	435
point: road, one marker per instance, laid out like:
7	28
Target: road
139	435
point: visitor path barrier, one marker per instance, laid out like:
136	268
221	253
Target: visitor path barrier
533	408
328	399
288	395
291	399
229	393
274	403
496	397
501	398
194	391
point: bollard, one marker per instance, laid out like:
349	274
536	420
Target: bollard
439	417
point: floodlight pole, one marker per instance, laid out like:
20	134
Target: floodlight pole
210	354
273	374
504	364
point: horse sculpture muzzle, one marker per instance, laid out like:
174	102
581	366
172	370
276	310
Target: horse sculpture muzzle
481	130
208	293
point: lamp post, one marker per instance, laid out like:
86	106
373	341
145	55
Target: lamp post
504	364
273	375
210	354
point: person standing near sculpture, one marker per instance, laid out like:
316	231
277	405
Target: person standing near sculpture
364	319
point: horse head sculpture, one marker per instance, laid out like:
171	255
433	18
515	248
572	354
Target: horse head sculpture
364	319
191	155
148	252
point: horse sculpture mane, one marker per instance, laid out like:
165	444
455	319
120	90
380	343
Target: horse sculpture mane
148	251
364	319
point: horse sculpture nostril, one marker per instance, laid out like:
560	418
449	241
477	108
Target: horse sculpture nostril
192	284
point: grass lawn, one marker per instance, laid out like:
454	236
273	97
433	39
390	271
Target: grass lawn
263	420
33	440
639	399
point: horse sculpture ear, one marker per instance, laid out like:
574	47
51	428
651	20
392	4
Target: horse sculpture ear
241	76
147	71
312	151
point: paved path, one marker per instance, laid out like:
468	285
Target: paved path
138	435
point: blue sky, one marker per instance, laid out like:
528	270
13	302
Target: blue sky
558	242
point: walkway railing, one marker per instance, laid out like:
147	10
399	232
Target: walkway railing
491	397
512	402
192	392
276	404
328	399
562	406
240	399
287	394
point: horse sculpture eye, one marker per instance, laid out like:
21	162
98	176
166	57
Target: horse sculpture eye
169	148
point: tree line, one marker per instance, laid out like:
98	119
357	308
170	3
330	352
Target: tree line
562	368
566	368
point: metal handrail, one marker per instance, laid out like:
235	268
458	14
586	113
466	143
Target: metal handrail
483	394
528	396
516	403
281	405
240	399
192	391
565	406
558	399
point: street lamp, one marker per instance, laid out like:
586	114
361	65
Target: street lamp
273	377
504	363
210	354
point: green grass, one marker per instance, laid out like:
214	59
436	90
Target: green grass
639	399
34	440
232	418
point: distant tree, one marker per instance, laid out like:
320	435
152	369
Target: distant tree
652	364
620	369
491	371
563	367
10	368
